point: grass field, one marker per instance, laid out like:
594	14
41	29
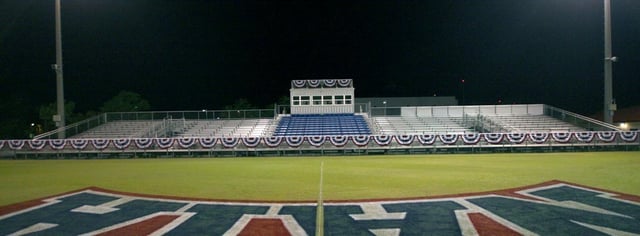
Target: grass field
297	178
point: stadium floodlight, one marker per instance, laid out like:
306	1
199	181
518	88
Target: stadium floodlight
59	118
609	103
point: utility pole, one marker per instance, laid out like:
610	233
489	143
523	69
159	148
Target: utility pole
59	118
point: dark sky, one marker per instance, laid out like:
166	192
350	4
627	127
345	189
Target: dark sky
187	55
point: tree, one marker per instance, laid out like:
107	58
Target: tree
240	104
46	113
126	101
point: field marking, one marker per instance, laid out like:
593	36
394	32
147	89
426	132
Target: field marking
320	208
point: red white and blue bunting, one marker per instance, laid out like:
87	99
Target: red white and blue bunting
100	143
165	143
313	83
606	136
427	139
122	143
339	141
251	142
294	141
316	141
538	137
344	83
382	140
619	137
448	139
79	144
629	136
471	138
329	82
37	144
298	83
16	144
585	137
561	137
404	139
57	144
143	143
494	138
208	142
229	142
186	142
361	140
272	141
516	138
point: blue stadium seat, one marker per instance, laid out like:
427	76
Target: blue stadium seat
322	124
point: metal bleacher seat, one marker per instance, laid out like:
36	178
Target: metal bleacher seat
393	125
322	124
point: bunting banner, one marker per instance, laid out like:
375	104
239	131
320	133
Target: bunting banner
273	141
79	144
1	144
299	83
229	142
100	143
516	138
251	142
37	144
561	137
339	141
361	140
16	144
313	83
121	143
165	143
538	137
186	142
344	83
382	140
208	142
143	143
471	138
329	82
494	138
57	144
606	136
585	137
294	141
448	139
629	136
404	139
427	139
316	141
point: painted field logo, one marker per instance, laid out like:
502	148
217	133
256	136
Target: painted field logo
555	207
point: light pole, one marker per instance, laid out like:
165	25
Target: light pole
59	118
609	104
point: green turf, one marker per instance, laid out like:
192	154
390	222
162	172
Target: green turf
294	178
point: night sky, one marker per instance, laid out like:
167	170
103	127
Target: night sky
190	55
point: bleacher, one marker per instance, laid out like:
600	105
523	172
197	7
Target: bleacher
224	128
393	125
322	124
120	129
533	123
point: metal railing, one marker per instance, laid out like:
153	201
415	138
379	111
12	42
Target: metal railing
168	117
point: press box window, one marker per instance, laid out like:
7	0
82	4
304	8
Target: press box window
317	100
339	100
304	100
347	99
327	100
